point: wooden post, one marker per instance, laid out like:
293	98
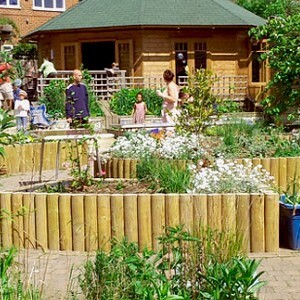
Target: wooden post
283	173
29	159
18	227
78	229
266	164
127	168
272	222
131	217
229	213
133	164
214	211
117	216
274	169
257	223
41	220
172	210
200	211
90	217
291	171
115	168
186	211
21	158
243	220
104	221
121	168
144	221
256	161
6	221
36	155
65	222
53	221
158	209
29	220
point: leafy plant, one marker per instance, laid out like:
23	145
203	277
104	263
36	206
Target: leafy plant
235	279
25	49
282	37
228	106
123	101
165	176
54	98
6	122
197	111
181	269
11	283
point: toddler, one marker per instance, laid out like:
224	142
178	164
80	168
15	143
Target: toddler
139	110
22	107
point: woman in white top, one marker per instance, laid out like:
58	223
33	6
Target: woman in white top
22	107
170	98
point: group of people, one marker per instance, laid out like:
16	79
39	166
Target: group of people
170	101
77	100
12	97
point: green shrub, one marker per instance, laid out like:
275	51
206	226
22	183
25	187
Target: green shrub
55	96
187	266
123	101
165	176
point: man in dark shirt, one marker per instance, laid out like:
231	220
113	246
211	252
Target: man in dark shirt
77	102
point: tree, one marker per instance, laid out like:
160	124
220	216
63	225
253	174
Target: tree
196	112
283	56
268	8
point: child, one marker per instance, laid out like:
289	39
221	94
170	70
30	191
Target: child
22	107
139	109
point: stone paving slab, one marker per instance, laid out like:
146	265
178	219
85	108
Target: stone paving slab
282	273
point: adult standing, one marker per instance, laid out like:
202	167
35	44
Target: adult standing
6	89
47	69
170	98
77	102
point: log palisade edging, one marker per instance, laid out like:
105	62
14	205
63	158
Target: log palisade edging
86	222
284	169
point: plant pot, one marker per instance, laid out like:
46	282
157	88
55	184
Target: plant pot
289	227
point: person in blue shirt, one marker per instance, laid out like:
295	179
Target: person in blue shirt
77	102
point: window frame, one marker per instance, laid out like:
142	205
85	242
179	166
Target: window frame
43	8
11	6
262	71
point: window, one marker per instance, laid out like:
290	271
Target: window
70	60
10	3
57	5
181	59
200	55
258	66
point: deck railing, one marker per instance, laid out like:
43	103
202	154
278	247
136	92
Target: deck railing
227	87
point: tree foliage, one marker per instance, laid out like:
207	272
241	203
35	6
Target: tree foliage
268	8
283	56
196	112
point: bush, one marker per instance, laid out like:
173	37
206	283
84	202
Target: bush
187	266
123	101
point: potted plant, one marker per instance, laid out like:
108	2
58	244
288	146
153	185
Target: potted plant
290	217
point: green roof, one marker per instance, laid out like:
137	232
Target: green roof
118	13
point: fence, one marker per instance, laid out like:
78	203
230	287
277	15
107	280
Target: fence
87	222
283	169
226	87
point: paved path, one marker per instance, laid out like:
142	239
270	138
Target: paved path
282	273
52	269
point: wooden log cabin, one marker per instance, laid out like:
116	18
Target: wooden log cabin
147	36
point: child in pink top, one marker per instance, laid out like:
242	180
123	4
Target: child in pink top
139	110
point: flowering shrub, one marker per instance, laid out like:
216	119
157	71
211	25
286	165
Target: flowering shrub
140	145
180	147
135	145
229	177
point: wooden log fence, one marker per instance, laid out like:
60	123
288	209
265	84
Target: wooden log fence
283	169
26	158
87	222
